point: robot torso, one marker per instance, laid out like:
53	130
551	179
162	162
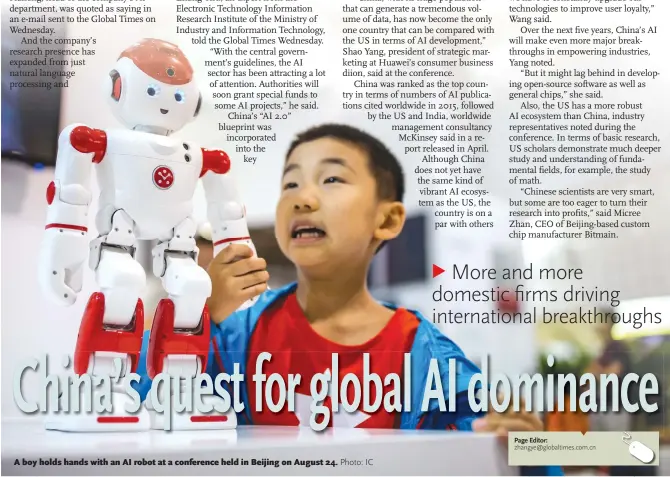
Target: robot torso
152	178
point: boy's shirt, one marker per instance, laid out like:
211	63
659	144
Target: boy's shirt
271	326
259	328
284	332
242	334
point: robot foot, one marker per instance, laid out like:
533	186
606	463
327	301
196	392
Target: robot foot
195	420
119	420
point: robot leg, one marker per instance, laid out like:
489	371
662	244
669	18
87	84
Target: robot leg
180	336
110	335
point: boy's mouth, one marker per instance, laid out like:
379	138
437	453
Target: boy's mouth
307	232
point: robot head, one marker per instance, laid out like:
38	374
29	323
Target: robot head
151	87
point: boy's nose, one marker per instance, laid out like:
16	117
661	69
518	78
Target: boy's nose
306	204
302	206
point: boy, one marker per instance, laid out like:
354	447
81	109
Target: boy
341	201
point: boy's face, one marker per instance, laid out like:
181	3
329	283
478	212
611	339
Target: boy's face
329	212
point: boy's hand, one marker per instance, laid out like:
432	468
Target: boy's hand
509	421
237	276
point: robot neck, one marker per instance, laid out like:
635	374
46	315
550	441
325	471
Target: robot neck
152	130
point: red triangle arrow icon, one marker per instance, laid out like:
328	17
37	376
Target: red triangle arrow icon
437	271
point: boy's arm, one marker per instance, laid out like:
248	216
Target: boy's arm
431	347
463	417
459	420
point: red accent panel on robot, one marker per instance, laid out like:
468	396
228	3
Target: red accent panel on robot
215	161
232	239
209	418
51	192
164	341
81	228
116	90
163	177
118	420
161	60
94	337
86	140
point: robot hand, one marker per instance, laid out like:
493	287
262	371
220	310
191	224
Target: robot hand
62	258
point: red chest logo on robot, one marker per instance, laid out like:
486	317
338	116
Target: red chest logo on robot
163	177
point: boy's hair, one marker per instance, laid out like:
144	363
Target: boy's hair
384	166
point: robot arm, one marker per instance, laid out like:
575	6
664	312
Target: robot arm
65	245
225	210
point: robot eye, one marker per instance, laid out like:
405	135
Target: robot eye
170	71
179	96
153	90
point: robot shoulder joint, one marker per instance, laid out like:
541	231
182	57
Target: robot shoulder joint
88	140
216	161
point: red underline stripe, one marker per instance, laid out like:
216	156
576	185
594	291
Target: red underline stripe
209	418
67	226
117	420
233	239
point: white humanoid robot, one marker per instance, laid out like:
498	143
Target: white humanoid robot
147	180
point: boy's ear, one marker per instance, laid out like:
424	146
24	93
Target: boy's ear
391	221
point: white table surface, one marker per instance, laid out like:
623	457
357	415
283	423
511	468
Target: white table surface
391	452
